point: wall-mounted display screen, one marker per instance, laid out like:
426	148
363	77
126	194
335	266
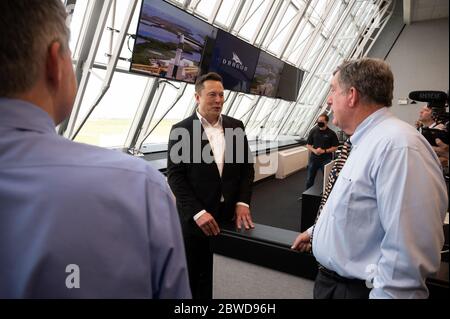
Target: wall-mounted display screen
267	75
290	80
169	42
173	44
235	60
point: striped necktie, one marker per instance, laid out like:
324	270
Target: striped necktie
332	177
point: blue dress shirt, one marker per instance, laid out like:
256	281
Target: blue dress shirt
383	219
66	205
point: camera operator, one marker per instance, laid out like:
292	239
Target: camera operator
433	121
426	119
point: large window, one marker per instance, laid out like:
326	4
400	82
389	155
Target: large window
111	120
129	110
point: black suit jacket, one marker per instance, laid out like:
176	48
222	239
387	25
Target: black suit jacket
194	177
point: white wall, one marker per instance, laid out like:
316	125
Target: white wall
420	61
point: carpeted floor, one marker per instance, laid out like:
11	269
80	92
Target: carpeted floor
275	201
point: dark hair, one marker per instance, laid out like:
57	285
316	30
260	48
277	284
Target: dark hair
28	28
325	116
372	78
211	76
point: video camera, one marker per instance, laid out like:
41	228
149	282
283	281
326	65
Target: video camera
437	101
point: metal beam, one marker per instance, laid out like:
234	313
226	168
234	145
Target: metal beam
242	16
236	15
141	115
87	43
215	11
386	19
84	66
407	11
273	22
322	54
111	65
289	40
251	111
360	48
271	14
142	138
154	102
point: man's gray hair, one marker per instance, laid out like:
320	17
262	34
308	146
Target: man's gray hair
372	78
28	28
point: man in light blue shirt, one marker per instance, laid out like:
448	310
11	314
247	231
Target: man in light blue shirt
76	221
380	232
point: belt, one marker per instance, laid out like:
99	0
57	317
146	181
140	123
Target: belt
333	275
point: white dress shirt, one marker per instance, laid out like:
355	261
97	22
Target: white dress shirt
383	218
216	139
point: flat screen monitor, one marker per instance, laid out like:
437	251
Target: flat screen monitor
175	45
169	42
290	80
267	75
235	60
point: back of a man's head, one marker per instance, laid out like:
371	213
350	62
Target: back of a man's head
372	78
28	28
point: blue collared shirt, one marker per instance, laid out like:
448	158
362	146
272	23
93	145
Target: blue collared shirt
384	216
74	214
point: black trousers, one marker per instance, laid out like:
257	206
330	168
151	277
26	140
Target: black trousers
199	256
314	165
200	266
330	285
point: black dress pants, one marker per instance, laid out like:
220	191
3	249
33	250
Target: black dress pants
330	285
199	255
200	264
314	165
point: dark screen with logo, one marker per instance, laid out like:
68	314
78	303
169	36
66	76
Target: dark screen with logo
235	60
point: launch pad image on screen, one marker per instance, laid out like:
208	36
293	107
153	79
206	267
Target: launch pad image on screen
169	42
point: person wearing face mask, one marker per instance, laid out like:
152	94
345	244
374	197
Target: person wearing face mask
322	142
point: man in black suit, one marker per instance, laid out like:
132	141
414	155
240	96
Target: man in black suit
210	171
